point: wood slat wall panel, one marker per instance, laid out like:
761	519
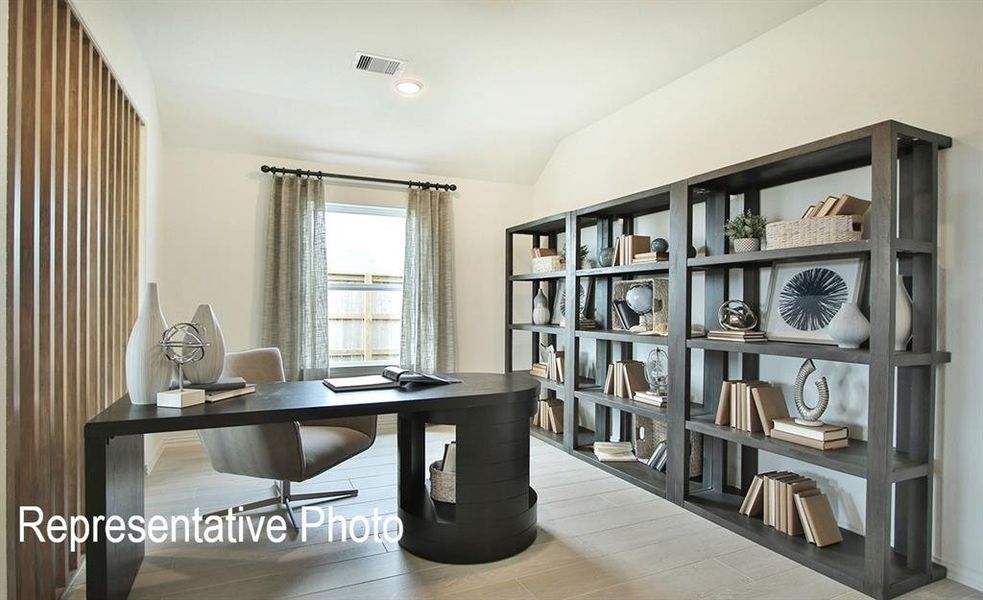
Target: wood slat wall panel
72	252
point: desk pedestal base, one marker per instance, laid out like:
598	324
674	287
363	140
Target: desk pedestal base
495	513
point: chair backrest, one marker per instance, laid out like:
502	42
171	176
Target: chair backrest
259	365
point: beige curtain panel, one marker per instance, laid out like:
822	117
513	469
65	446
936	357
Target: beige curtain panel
295	306
427	339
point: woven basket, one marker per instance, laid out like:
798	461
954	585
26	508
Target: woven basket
546	264
443	486
814	231
657	430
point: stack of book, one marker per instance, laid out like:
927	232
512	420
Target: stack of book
552	365
224	388
541	252
659	458
649	257
627	247
749	405
583	324
793	505
549	415
545	260
614	452
837	205
823	437
625	378
729	335
650	397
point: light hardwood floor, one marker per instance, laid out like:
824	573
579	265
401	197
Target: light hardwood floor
599	537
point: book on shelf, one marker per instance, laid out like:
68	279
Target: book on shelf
726	335
541	252
793	524
821	433
587	324
810	442
826	206
844	204
630	245
614	452
736	405
625	378
549	415
769	402
753	500
648	397
627	318
449	461
649	257
818	514
797	499
539	370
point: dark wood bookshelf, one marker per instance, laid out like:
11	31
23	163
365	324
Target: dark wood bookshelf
895	461
584	436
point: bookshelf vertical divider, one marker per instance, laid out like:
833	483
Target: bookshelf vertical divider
896	461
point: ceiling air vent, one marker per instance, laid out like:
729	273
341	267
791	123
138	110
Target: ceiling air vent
378	64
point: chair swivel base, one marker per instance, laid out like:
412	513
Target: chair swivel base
285	499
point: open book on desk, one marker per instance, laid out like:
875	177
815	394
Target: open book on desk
392	377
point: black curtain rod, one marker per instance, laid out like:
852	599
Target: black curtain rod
320	174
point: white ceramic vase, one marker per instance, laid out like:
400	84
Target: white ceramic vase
747	245
902	317
147	369
849	327
209	368
540	310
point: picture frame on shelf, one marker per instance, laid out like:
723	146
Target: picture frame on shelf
584	301
804	297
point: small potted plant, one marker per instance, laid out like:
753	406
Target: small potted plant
746	231
582	260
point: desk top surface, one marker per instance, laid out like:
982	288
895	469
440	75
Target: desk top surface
303	400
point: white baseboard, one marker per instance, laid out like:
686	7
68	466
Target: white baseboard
162	441
966	575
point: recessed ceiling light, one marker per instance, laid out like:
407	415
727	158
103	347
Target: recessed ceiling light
408	87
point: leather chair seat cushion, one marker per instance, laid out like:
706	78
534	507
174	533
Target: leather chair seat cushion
325	447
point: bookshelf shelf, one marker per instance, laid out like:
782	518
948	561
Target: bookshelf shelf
617	335
895	460
764	257
636	472
622	270
538	276
548	329
843	562
817	352
851	460
549	384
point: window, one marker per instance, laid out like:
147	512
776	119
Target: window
365	284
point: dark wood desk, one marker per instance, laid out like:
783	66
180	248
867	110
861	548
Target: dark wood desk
495	514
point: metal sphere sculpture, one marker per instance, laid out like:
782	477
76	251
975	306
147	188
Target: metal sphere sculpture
810	415
737	315
182	345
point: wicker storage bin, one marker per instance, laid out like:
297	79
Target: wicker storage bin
545	264
656	431
443	486
814	231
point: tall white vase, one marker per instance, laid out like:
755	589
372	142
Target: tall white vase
147	369
849	328
902	316
209	368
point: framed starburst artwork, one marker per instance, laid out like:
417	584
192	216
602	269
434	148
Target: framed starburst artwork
804	298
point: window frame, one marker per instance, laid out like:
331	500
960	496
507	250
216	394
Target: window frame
362	367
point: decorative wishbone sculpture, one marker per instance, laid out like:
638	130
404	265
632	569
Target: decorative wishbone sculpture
810	416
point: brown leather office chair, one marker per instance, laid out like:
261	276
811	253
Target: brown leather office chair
285	452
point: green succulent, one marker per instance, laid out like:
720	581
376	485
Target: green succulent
746	225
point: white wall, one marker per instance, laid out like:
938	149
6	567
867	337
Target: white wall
111	34
212	232
837	67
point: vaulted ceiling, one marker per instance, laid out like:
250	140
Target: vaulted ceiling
504	82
